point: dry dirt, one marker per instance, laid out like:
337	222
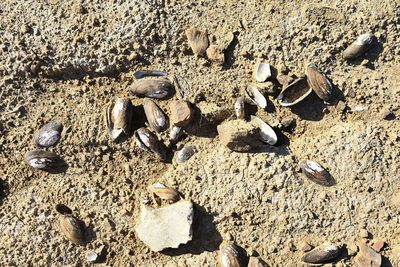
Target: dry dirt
66	60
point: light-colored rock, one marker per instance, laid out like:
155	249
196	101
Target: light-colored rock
378	244
166	227
367	257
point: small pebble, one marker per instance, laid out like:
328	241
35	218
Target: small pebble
363	233
378	244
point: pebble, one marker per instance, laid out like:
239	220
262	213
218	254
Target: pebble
367	257
363	233
305	246
378	244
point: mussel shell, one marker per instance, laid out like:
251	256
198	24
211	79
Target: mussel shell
255	95
322	254
267	134
155	116
148	141
198	40
316	173
294	92
144	73
262	72
318	82
49	134
185	153
359	46
72	228
119	117
229	255
40	159
181	113
168	194
240	110
153	88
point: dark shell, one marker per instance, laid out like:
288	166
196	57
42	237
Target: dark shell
145	73
229	255
49	134
148	141
358	47
319	83
155	116
294	92
40	159
313	171
119	117
153	88
185	153
72	228
322	254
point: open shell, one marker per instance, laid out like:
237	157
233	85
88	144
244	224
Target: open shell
161	192
49	134
148	141
316	173
267	134
155	116
294	92
262	72
322	254
359	46
154	88
119	117
256	96
40	159
319	83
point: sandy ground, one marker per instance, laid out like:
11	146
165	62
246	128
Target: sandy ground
67	60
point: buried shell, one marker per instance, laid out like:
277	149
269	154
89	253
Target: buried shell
229	255
322	254
240	110
198	40
153	88
262	72
70	226
359	46
185	153
49	134
267	134
119	117
313	171
155	116
144	73
148	141
318	82
294	92
161	192
255	95
40	159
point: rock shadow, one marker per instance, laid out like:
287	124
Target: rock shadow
230	57
205	235
206	126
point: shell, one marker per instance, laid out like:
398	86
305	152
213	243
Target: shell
181	113
148	141
155	116
256	262
154	88
322	254
359	46
255	95
198	40
40	159
229	255
161	192
318	82
119	117
144	73
294	92
240	110
70	226
316	173
185	153
267	134
49	134
262	72
175	133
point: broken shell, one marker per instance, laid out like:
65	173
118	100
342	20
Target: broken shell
144	73
161	192
175	133
256	262
70	226
318	82
255	95
40	159
322	254
359	46
313	171
49	134
153	88
198	40
267	134
181	113
119	117
185	153
240	108
262	72
155	116
148	141
229	255
215	54
294	92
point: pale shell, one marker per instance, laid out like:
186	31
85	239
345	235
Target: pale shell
119	117
267	134
256	96
359	46
240	108
262	72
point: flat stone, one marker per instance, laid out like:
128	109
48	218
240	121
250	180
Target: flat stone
181	113
166	227
367	257
378	244
363	233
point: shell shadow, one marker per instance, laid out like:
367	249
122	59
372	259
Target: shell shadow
4	190
310	109
230	57
203	126
62	167
90	234
205	235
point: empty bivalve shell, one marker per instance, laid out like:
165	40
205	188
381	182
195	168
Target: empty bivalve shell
255	95
229	255
240	108
294	92
262	72
70	226
185	153
162	192
322	254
